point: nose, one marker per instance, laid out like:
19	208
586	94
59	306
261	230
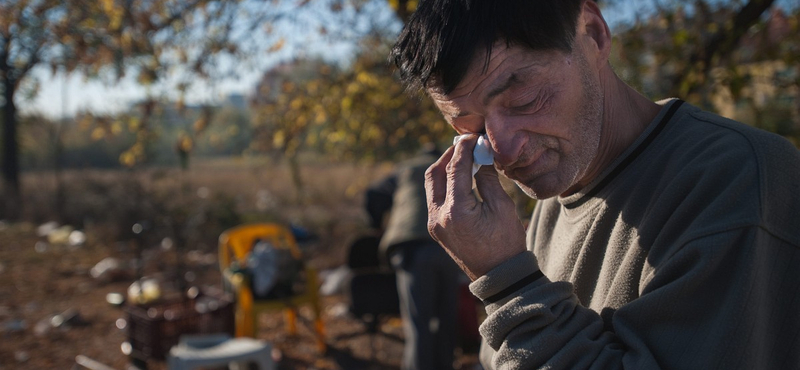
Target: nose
505	143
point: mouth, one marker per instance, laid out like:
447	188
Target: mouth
530	168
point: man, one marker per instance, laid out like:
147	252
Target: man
427	279
665	237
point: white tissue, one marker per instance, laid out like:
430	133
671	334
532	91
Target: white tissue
482	155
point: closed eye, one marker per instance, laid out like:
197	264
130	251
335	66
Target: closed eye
530	106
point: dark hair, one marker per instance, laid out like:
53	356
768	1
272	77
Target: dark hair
442	36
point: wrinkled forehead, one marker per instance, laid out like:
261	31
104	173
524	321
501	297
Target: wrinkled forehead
502	62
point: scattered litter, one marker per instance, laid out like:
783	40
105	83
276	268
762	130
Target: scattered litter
338	310
167	244
68	318
126	348
115	299
46	228
109	269
60	235
335	281
200	258
43	327
76	238
90	363
145	290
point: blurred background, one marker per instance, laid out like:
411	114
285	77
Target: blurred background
143	129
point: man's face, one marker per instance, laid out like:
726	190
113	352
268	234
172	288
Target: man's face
541	110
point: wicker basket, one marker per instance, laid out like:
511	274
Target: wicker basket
154	329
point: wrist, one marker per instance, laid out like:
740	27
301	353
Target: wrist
505	279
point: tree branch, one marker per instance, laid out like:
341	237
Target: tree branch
724	42
720	45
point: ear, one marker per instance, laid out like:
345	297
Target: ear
595	31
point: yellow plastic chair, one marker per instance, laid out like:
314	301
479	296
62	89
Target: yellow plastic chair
234	245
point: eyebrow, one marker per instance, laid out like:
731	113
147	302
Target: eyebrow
512	80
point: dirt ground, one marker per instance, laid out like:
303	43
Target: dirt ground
53	310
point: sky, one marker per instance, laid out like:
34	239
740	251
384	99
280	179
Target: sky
63	96
60	95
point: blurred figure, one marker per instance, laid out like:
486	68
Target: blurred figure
427	278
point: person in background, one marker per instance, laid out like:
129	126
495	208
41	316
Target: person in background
665	236
427	279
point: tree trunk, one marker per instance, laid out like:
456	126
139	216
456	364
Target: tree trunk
60	197
13	196
297	179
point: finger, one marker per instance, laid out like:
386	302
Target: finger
436	180
489	187
459	171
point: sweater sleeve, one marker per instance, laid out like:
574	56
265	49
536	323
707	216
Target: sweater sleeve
714	303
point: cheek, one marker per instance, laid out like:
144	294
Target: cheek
554	124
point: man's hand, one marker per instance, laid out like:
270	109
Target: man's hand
479	235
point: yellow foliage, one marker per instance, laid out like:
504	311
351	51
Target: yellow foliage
127	159
347	103
296	103
126	40
200	124
321	117
133	124
88	23
98	133
279	139
116	127
366	78
373	133
137	149
353	88
185	143
337	137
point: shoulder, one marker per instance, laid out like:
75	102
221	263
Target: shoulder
747	169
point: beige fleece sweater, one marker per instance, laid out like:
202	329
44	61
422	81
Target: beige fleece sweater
684	254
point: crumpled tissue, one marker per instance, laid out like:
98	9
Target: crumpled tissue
483	154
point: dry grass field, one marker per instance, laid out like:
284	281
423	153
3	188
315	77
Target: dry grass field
181	214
